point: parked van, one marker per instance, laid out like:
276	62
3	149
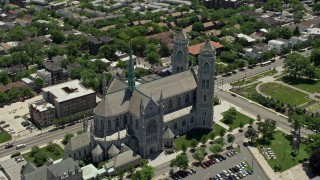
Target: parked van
20	146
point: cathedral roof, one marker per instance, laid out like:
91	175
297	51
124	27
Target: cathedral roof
116	85
168	134
121	101
113	150
29	168
124	148
207	47
78	141
170	86
97	150
113	104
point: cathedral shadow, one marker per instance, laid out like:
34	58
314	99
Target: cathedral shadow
154	155
308	170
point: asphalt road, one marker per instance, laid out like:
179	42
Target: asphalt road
255	109
39	140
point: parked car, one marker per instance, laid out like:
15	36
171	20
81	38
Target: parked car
193	171
8	145
20	146
17	116
203	165
6	125
2	122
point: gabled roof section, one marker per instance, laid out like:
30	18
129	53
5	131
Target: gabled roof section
115	85
113	150
78	141
207	47
113	104
29	168
135	102
97	150
168	134
170	86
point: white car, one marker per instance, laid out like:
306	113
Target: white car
14	110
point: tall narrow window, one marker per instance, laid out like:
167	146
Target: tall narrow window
178	69
184	122
207	84
206	68
203	85
204	98
137	124
131	120
180	56
124	120
187	99
117	122
175	125
179	101
170	104
109	125
101	124
181	69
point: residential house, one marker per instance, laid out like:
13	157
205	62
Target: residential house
195	49
278	45
45	76
257	51
208	25
246	37
217	4
29	82
96	43
58	74
13	70
18	85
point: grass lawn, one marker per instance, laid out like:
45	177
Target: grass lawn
281	146
283	93
248	166
239	117
246	91
254	78
4	137
52	155
306	85
195	134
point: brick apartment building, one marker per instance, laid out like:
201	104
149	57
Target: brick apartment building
58	74
96	43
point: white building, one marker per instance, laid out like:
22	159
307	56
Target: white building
45	76
312	31
29	82
246	37
278	45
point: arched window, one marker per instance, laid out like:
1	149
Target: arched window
131	120
124	120
187	99
180	56
207	84
117	122
205	68
152	127
101	124
137	124
192	120
204	98
203	84
170	104
184	122
109	125
179	101
175	126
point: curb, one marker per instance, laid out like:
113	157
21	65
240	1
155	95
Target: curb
258	162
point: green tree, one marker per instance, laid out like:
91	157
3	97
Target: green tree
67	138
34	150
203	139
216	148
197	26
57	36
296	31
40	158
267	128
181	161
120	174
165	49
251	121
222	132
212	136
194	143
241	125
140	72
183	147
258	118
39	83
153	57
252	134
122	64
315	56
131	169
17	33
230	138
285	33
228	118
198	155
312	142
4	78
295	65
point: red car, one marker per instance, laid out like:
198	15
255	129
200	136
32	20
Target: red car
212	161
203	165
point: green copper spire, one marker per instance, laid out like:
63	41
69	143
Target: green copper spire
131	75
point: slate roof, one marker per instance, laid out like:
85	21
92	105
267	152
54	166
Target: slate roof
168	134
119	99
97	150
113	150
125	158
116	85
63	167
29	168
78	141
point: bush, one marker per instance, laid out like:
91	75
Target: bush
40	158
15	154
277	168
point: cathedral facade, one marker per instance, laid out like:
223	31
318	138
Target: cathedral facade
143	116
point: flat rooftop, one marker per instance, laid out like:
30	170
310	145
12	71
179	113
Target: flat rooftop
68	90
42	105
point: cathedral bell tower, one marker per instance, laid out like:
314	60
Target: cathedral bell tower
205	86
180	60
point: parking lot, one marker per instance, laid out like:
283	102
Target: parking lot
230	162
12	115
